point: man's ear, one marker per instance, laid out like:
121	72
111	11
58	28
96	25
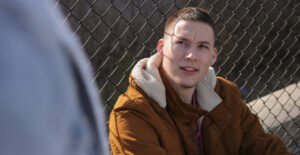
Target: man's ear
160	46
214	57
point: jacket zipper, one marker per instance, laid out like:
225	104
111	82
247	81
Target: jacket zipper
177	130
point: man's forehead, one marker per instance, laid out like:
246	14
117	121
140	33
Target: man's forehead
187	30
180	23
172	25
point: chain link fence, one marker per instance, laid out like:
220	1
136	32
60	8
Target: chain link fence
258	43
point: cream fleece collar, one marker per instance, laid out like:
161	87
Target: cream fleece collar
146	74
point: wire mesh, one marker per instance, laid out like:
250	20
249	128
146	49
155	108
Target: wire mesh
257	40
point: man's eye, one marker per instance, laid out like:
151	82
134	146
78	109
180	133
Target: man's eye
181	43
203	46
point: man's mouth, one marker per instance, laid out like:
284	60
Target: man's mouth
189	68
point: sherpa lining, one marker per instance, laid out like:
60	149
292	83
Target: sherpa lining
146	74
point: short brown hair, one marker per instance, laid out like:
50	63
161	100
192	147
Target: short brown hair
192	14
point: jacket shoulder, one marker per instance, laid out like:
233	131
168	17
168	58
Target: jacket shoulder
134	99
224	82
230	95
226	86
130	100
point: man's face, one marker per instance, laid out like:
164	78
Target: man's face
188	51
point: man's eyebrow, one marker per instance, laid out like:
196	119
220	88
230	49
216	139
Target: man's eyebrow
204	42
182	38
200	42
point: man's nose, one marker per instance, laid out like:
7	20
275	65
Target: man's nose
191	53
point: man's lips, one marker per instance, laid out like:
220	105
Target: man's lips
191	69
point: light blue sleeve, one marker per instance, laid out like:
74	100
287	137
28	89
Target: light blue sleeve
39	105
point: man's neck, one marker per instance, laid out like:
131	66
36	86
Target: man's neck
185	94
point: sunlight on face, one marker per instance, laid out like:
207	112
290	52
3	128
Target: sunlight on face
188	51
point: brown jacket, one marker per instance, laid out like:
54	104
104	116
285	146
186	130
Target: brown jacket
141	123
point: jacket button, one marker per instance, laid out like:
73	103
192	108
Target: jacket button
215	130
228	116
221	123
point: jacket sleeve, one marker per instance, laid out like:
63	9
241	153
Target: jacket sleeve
255	140
131	133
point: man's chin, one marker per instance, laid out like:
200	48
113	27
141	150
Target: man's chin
188	86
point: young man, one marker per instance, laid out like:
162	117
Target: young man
175	104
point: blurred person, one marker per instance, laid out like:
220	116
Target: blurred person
175	104
48	102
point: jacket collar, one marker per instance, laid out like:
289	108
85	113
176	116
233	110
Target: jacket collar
147	76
